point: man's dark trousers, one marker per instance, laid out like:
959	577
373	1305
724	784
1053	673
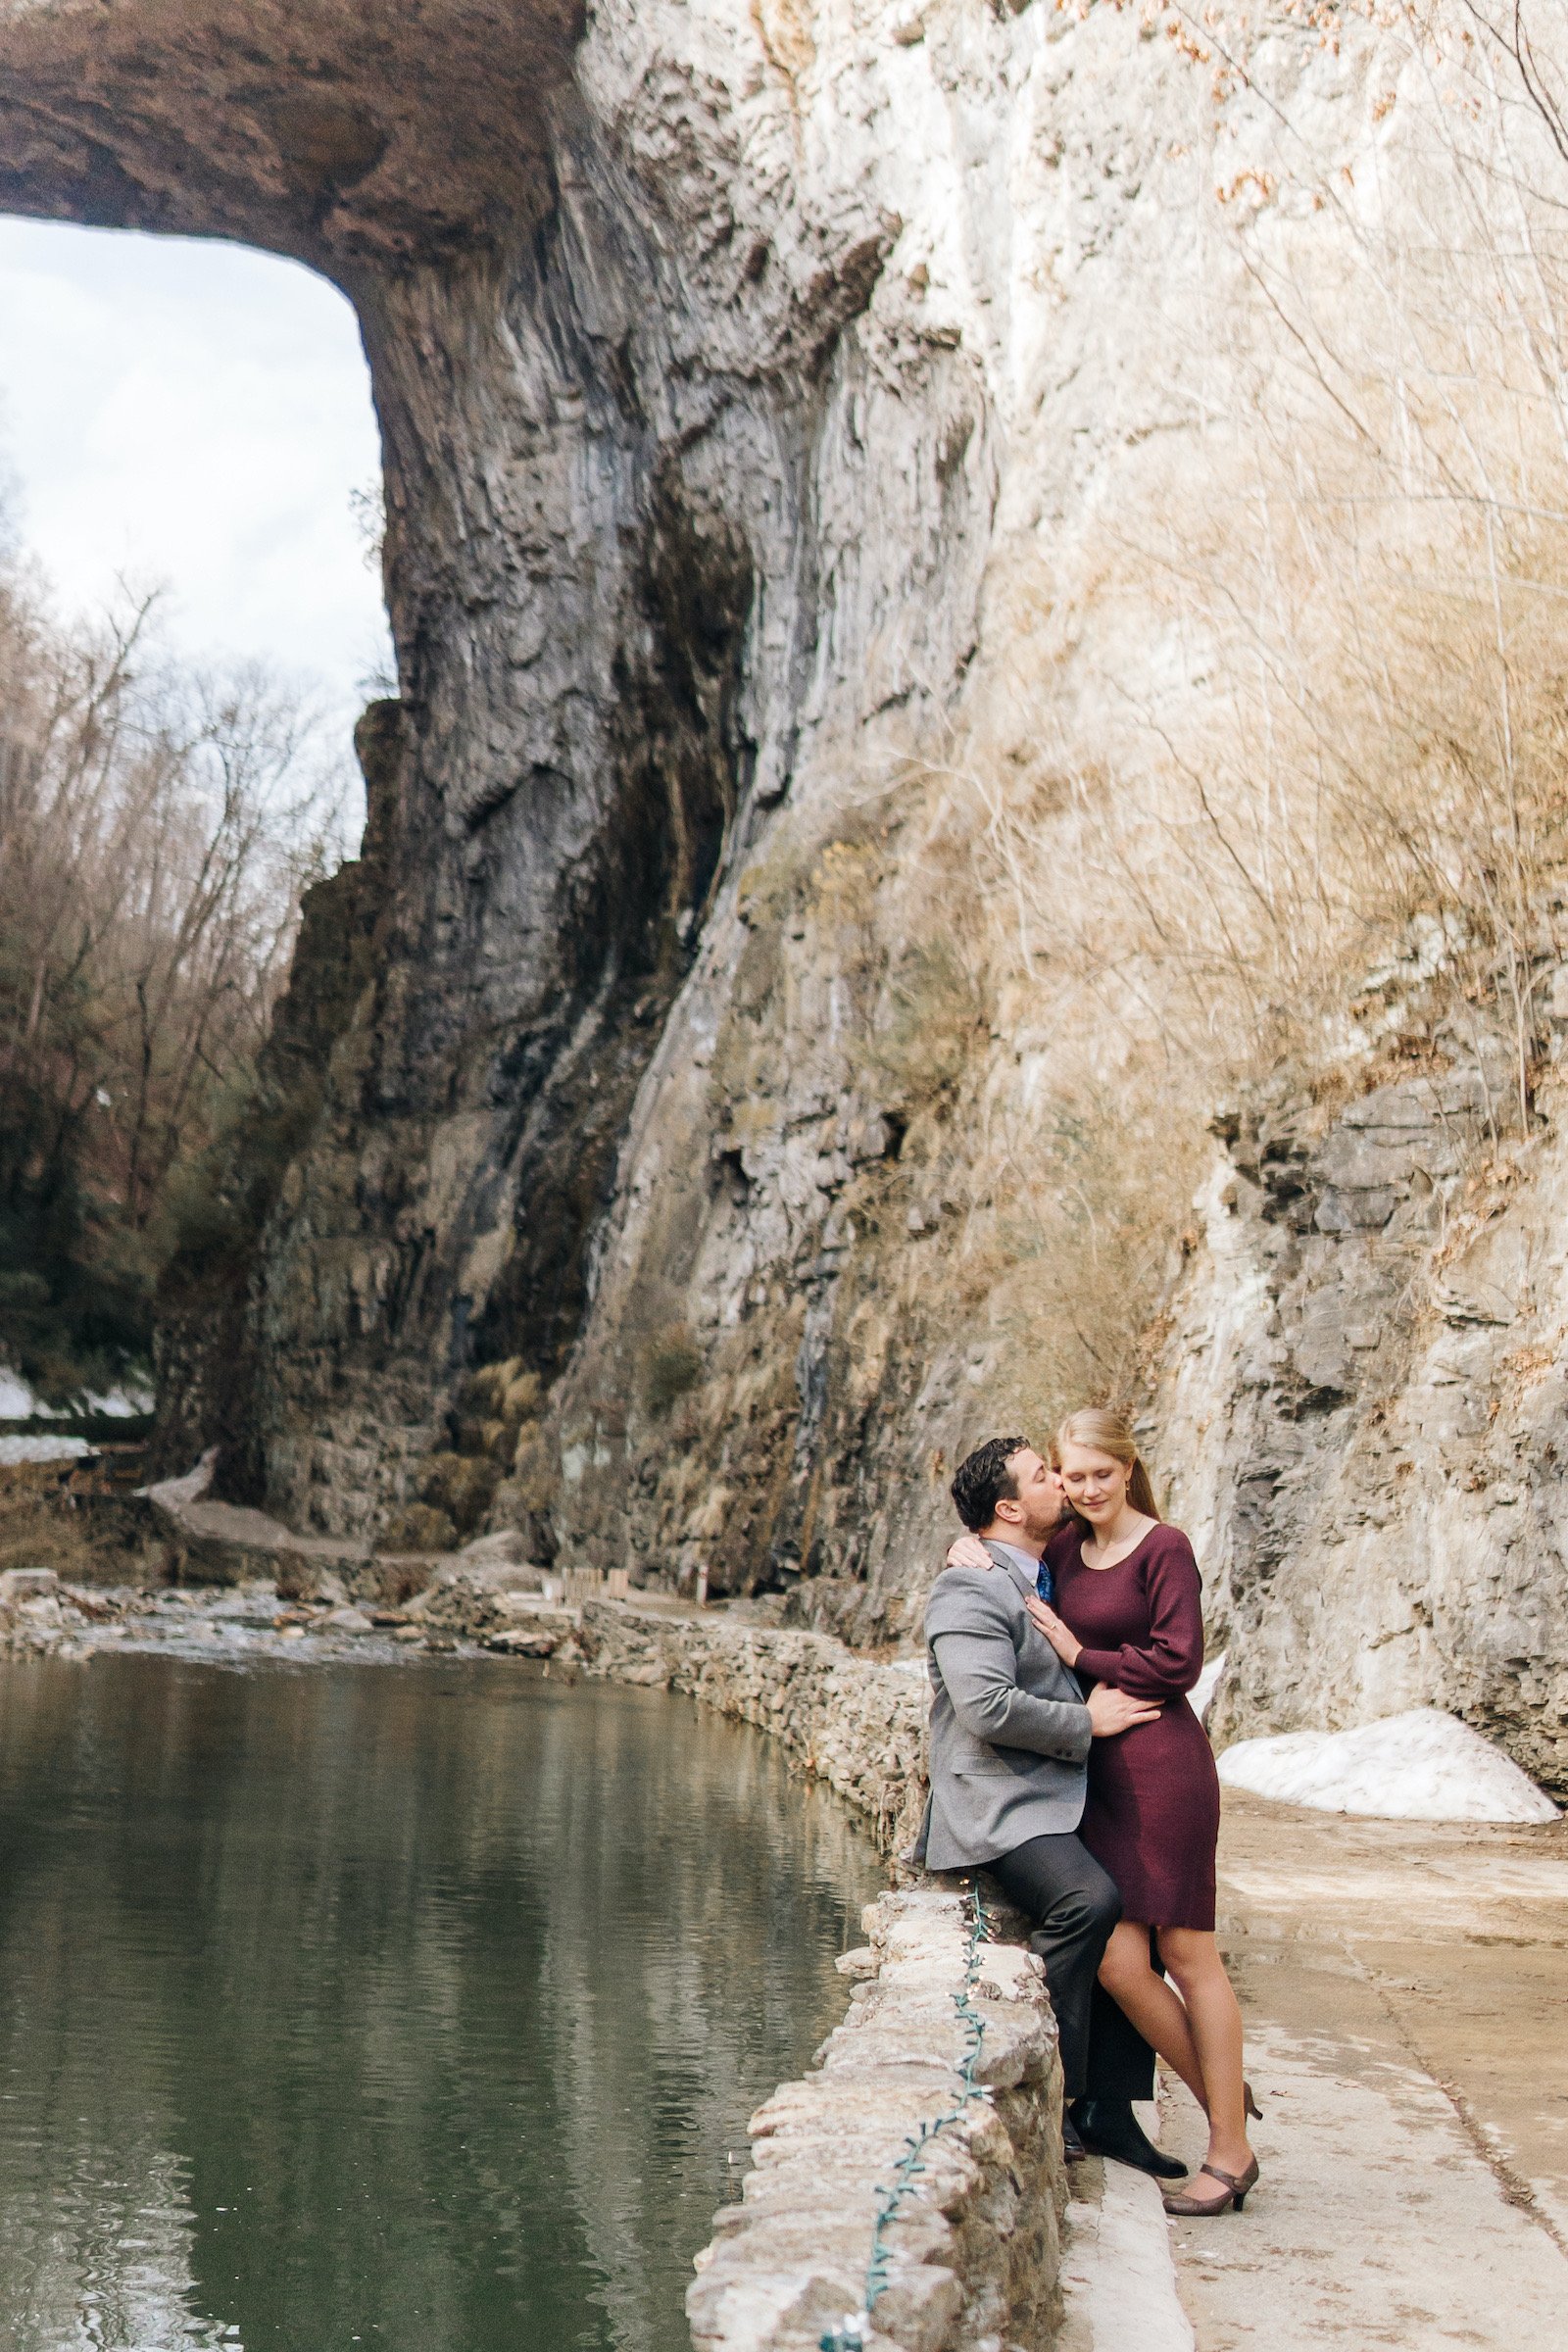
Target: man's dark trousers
1057	1883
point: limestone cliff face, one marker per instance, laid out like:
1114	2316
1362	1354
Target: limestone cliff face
686	484
602	293
775	401
1366	1413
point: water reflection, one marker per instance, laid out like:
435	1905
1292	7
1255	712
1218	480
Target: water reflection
413	2008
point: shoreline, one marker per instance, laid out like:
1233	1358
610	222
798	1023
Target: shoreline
977	2250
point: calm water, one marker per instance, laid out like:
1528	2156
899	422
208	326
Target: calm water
417	2008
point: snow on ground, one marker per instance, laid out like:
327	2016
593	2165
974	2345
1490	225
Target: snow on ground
1420	1766
17	1402
1202	1695
41	1449
127	1402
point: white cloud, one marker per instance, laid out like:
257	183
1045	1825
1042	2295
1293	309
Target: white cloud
196	413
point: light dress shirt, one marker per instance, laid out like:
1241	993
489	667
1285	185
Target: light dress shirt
1044	1582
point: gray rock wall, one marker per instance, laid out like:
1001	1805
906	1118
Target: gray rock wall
1364	1416
642	565
778	406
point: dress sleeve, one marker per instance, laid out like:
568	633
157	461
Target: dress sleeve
1170	1662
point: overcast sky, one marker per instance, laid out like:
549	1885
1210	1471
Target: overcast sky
195	413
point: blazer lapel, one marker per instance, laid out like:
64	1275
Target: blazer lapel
1005	1561
1046	1666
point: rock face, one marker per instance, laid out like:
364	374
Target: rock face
229	1543
768	392
1365	1411
637	572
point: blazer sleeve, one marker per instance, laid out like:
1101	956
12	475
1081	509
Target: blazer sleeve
972	1639
1170	1661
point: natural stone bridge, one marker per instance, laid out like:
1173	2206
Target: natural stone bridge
660	532
765	390
639	563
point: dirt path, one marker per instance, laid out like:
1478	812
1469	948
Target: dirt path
1405	1989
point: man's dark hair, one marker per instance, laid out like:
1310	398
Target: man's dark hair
982	1480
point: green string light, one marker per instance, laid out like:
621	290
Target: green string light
849	2335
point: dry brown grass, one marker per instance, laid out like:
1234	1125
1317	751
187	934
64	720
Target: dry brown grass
1326	797
91	1538
1281	790
38	1528
671	1366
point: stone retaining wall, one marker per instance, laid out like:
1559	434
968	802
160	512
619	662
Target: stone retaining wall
857	1723
974	2249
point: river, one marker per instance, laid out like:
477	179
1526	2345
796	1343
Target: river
411	2006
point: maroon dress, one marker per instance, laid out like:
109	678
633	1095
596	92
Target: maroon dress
1152	1815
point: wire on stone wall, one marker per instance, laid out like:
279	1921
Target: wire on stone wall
849	2335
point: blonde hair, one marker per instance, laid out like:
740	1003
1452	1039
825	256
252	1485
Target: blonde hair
1106	1432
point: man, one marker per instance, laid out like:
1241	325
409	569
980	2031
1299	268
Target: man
1010	1733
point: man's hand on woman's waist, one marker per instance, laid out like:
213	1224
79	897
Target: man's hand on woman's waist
1111	1711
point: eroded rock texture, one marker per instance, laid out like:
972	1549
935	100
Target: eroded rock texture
635	564
764	392
1367	1413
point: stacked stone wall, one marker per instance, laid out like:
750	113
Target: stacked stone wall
854	1722
974	2253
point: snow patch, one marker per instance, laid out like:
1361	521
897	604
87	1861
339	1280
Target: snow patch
19	1402
129	1402
41	1449
1201	1697
1420	1766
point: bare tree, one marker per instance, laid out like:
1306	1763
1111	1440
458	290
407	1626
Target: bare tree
157	828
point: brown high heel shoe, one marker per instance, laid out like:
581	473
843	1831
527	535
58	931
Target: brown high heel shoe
1236	2185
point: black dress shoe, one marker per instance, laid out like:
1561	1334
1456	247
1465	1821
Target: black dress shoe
1110	2128
1072	2147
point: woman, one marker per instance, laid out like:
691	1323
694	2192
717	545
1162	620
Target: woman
1128	1612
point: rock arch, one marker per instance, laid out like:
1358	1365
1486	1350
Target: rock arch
645	564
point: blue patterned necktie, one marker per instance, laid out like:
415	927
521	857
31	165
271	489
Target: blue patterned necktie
1046	1583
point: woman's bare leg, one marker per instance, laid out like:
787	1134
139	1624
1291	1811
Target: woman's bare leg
1215	2023
1129	1977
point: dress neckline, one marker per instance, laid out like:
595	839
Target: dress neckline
1110	1566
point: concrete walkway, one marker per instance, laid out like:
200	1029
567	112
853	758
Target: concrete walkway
1405	1989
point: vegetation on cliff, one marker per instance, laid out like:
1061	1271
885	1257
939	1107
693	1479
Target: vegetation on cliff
1255	786
1266	789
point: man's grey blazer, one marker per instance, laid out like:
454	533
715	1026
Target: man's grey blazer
1009	1730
